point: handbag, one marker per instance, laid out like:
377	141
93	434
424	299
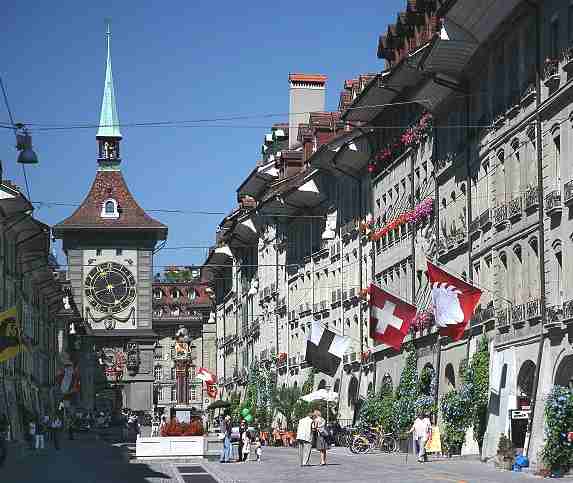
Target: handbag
324	432
221	436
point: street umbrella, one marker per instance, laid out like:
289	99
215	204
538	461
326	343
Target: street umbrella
218	405
321	395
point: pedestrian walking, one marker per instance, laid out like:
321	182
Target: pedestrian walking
242	430
244	456
321	436
226	432
304	438
422	429
56	428
3	436
40	432
258	446
71	423
32	433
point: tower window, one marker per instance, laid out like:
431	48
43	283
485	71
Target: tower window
119	251
109	209
98	252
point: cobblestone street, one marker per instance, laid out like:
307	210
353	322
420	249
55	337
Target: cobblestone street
89	460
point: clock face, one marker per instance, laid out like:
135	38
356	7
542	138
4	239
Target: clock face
110	287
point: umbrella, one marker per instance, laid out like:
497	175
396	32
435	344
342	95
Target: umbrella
321	395
218	405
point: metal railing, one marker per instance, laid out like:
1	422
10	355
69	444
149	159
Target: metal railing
500	214
568	192
502	318
533	309
514	208
553	201
518	313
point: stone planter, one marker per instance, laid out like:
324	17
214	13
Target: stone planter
173	447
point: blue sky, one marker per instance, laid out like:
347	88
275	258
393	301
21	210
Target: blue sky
172	61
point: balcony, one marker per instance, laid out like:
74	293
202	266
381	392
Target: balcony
514	209
531	198
568	193
553	202
533	310
528	95
518	314
500	214
485	219
444	163
567	60
502	319
551	74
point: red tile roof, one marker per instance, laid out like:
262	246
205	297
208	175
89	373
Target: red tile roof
319	78
106	185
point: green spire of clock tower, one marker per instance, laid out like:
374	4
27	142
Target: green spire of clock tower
109	120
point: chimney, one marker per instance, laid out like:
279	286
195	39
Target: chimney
306	95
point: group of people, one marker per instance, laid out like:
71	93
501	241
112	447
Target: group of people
312	429
42	428
249	442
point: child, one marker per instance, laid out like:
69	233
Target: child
246	446
258	448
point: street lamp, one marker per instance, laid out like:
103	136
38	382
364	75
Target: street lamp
24	145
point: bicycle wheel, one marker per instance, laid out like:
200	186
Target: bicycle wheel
360	444
388	444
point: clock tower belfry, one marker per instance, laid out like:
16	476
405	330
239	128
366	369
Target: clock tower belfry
109	241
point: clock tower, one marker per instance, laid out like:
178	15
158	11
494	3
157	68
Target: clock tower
109	242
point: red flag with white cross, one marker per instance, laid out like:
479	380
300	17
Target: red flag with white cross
454	301
390	317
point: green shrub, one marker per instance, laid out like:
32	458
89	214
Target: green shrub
558	452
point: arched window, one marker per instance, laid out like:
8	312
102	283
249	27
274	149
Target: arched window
191	295
564	374
157	294
322	384
336	385
109	209
352	391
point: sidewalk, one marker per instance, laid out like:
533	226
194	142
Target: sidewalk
85	459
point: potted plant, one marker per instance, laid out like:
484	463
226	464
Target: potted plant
505	453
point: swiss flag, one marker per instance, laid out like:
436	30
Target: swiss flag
454	301
390	317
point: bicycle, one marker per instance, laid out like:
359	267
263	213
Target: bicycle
373	438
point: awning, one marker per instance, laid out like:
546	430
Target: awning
480	19
12	201
451	52
370	102
257	180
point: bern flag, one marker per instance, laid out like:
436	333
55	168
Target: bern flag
454	301
390	317
324	349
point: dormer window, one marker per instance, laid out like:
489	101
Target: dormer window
175	294
191	295
157	294
109	209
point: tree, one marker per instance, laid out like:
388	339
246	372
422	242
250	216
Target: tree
286	401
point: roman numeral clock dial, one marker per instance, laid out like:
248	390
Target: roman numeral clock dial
110	287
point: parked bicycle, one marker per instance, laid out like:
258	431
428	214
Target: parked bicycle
373	439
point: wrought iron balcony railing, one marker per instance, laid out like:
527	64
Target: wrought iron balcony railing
531	198
500	214
553	202
518	313
502	318
568	192
533	309
514	208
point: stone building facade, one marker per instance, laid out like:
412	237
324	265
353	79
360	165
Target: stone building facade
489	103
29	282
180	301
